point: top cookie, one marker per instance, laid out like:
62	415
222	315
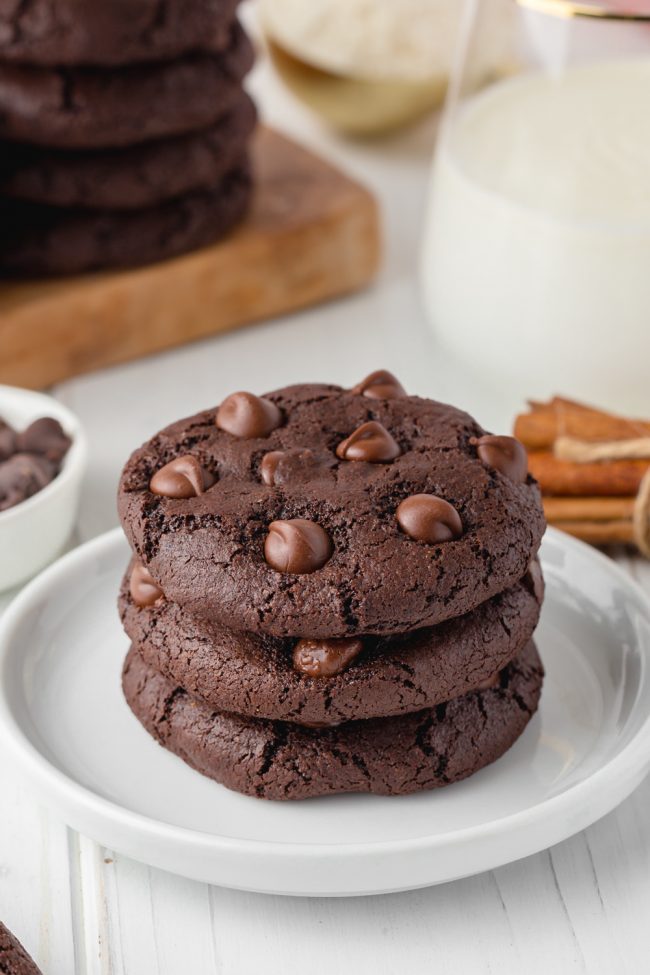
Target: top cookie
280	515
110	32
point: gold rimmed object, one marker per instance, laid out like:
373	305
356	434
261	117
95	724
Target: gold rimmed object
358	106
589	8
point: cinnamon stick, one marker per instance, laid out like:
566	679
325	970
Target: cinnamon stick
618	478
601	532
564	403
559	510
540	428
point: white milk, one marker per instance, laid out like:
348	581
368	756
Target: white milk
536	261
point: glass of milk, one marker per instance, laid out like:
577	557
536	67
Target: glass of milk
536	257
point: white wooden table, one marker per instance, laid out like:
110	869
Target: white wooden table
583	906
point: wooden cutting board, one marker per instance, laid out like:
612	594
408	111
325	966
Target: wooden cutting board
312	234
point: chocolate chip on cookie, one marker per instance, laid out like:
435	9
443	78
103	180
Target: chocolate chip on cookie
380	385
426	518
504	454
297	546
325	658
143	589
249	416
182	477
371	442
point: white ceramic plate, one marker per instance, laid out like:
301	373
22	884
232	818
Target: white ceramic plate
65	724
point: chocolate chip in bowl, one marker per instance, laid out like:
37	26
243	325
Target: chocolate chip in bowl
30	459
42	462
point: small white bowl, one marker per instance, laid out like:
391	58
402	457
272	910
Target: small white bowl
34	532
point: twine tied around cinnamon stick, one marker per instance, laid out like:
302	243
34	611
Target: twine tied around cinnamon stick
641	517
581	452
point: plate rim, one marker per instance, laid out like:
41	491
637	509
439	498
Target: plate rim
633	759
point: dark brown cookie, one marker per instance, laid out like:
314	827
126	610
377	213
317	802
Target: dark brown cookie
134	177
110	32
14	960
256	675
211	553
90	108
37	241
387	756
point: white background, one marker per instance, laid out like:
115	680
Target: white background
583	906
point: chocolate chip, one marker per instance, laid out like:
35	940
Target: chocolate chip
534	580
248	416
325	658
427	518
380	385
144	591
182	477
503	454
45	437
297	546
8	440
286	466
490	683
23	475
269	466
371	442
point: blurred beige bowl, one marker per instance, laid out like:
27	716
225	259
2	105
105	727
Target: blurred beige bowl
358	106
366	66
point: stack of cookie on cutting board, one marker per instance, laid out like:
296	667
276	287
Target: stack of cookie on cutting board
332	590
124	131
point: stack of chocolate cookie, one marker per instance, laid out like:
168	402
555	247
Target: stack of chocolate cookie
123	131
332	591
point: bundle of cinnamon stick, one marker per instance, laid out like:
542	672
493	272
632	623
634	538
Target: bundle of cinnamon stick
593	469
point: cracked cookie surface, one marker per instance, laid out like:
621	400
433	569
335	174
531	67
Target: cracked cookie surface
254	675
110	32
390	756
208	552
87	108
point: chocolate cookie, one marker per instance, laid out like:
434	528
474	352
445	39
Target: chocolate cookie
46	241
110	32
293	533
14	960
267	677
88	108
134	177
389	756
